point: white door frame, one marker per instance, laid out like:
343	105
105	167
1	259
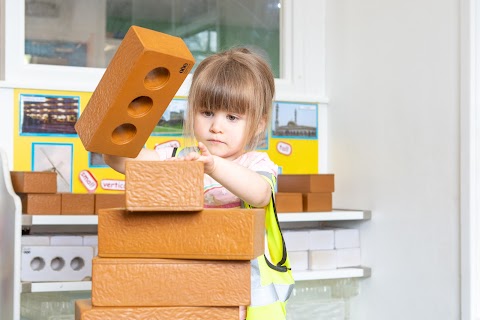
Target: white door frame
469	158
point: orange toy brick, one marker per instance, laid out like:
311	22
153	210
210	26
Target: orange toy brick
210	234
306	183
85	311
288	202
130	282
34	181
143	77
164	185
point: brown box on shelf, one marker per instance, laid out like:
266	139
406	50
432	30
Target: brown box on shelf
288	202
109	200
85	311
317	202
34	181
142	78
78	203
305	183
134	282
210	234
41	203
164	185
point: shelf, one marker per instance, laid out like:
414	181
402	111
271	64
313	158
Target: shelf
335	215
359	272
58	220
56	286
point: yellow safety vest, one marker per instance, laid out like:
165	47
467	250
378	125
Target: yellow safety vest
271	281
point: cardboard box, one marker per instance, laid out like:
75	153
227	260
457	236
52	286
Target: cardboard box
78	203
298	260
322	259
109	200
350	257
317	202
134	282
164	185
211	234
306	183
321	239
38	203
34	181
142	78
288	202
85	311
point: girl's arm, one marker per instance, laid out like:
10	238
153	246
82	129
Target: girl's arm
246	184
118	163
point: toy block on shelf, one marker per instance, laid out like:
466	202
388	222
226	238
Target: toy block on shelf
142	78
131	282
288	202
41	203
317	202
78	203
34	181
85	311
164	185
109	200
306	183
210	234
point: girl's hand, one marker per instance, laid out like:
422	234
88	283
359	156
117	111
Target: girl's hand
204	156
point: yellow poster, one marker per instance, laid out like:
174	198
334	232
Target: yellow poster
45	139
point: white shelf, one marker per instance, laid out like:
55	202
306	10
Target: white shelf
359	272
335	215
56	286
58	220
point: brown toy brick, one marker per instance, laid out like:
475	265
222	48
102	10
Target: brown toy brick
288	202
211	234
109	200
34	181
38	203
305	183
317	202
143	77
85	311
78	203
164	185
169	283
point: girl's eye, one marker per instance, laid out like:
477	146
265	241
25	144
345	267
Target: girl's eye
207	114
231	117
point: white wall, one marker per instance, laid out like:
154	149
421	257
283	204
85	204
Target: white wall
393	83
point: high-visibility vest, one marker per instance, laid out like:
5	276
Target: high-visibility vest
271	281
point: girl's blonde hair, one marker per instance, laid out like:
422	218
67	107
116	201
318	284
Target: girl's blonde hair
237	81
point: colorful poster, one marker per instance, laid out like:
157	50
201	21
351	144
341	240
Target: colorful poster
45	139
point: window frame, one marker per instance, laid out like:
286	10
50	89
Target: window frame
302	63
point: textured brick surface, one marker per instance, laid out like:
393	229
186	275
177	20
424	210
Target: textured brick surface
288	202
169	282
34	182
78	203
85	311
317	202
164	185
144	75
33	203
106	201
305	183
213	234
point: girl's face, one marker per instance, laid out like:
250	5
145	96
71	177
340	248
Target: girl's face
223	133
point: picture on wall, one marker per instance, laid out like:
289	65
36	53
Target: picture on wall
96	160
295	120
48	115
171	123
55	158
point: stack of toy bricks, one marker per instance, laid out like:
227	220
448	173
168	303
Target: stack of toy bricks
38	193
165	256
305	192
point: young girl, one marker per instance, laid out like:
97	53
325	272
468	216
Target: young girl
229	108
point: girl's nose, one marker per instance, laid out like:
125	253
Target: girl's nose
215	126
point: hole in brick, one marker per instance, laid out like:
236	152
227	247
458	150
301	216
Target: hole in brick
77	263
156	78
140	106
124	133
57	263
37	264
